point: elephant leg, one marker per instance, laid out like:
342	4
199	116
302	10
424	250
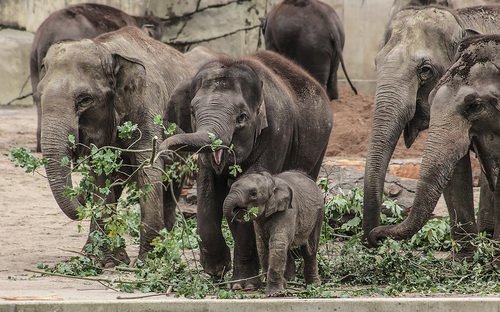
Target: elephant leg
278	253
109	257
460	203
215	256
36	100
152	219
290	267
311	273
486	218
245	262
170	197
496	233
332	87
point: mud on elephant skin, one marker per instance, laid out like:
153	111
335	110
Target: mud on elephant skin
420	45
87	89
80	21
274	115
290	213
465	112
310	33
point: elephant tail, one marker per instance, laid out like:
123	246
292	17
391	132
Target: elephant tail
338	49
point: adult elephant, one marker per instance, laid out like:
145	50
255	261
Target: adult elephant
310	33
87	20
87	89
274	115
465	111
420	45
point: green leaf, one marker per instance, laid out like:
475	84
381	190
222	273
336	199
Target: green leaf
126	130
158	120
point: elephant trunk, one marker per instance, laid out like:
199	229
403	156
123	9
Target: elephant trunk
201	141
231	202
394	107
445	146
54	148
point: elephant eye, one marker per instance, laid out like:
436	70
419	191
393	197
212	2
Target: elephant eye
426	72
252	194
242	118
84	100
474	106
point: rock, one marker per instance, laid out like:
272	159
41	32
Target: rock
346	178
14	69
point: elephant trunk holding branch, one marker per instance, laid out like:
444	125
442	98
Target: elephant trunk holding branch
274	116
465	111
310	33
290	214
87	20
87	89
420	45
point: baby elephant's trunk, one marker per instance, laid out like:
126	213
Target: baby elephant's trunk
230	203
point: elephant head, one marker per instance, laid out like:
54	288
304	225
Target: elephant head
226	100
85	91
260	190
420	46
465	111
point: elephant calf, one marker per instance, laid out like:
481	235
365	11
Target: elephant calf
290	212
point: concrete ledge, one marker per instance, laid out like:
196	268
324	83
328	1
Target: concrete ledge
484	304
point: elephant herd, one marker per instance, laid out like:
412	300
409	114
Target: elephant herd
94	67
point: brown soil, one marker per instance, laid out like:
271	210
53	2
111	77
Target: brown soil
352	120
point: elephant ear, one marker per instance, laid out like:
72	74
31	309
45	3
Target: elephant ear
281	198
261	122
179	106
488	165
130	81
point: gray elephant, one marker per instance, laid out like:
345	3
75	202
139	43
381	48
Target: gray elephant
290	212
87	89
310	33
420	44
398	5
276	118
80	21
465	111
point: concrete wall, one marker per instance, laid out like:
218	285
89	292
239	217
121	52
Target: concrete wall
230	26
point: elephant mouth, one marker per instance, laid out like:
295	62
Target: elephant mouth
239	214
218	160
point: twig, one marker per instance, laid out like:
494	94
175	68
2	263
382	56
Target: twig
94	279
125	269
168	292
21	97
107	286
73	251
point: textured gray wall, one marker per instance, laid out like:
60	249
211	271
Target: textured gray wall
229	26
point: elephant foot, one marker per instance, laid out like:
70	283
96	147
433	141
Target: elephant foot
275	291
216	266
313	280
463	254
112	258
249	284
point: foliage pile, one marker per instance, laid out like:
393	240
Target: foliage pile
347	267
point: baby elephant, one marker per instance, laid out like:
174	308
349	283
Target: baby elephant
287	211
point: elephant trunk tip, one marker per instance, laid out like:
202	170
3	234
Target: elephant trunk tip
381	232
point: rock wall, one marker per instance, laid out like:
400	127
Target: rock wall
230	26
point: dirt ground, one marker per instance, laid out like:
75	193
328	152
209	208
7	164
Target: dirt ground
352	120
34	230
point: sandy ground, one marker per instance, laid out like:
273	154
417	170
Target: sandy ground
34	230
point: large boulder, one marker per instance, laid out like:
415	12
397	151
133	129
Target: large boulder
14	67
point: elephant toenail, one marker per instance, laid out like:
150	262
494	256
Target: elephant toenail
236	286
